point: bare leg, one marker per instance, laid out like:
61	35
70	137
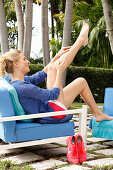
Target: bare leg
51	76
80	86
81	40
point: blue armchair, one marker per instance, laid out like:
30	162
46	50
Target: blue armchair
104	129
23	134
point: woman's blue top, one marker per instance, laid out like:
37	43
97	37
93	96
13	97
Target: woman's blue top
32	98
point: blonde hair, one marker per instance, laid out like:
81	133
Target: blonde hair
6	61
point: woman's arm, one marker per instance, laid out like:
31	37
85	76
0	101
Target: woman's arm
36	78
31	91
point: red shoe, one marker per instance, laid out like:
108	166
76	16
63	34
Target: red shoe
72	152
82	153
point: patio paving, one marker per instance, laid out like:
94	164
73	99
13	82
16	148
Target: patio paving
53	156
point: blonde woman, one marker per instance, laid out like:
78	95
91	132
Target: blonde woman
54	98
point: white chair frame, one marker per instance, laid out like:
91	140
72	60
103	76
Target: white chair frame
82	127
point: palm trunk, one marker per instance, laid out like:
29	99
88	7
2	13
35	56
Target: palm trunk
45	33
3	30
67	31
28	29
52	19
107	9
20	23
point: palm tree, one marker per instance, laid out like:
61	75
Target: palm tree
67	30
107	9
20	23
99	45
28	29
98	53
45	33
54	8
3	29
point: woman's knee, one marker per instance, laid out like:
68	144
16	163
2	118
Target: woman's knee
82	80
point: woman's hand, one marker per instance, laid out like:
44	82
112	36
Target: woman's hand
64	50
60	53
60	67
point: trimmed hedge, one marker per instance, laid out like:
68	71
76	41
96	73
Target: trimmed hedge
97	78
33	69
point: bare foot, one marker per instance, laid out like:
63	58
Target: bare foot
83	36
102	116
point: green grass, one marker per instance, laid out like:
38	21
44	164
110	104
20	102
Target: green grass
7	165
76	105
109	167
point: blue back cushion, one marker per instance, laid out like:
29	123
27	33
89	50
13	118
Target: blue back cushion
108	101
7	129
14	97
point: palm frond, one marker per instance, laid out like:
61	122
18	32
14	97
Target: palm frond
97	2
101	22
60	17
93	36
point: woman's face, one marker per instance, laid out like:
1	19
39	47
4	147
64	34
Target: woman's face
23	64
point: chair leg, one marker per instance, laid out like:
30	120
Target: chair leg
83	123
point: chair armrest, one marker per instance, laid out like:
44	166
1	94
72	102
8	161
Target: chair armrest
39	115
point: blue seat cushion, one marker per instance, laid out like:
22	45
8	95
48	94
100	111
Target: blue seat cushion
35	131
102	129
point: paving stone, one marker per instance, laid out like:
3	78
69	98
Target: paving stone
10	151
91	156
87	126
47	164
62	143
100	162
22	158
90	115
76	130
75	116
76	124
53	151
73	167
95	146
94	140
90	130
106	151
75	119
88	118
88	122
109	143
89	133
62	158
